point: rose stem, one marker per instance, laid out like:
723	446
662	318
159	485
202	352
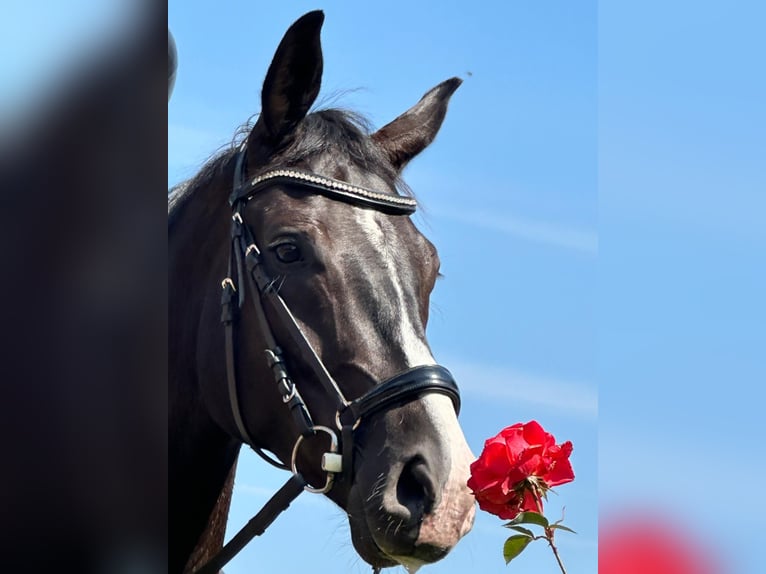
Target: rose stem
549	532
549	537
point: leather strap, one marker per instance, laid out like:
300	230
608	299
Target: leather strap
333	188
227	318
257	525
268	295
403	388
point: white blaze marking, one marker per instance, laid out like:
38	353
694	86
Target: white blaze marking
454	516
414	348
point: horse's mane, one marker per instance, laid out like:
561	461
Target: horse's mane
179	195
334	130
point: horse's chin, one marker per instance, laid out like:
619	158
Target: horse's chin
371	553
364	542
374	556
369	550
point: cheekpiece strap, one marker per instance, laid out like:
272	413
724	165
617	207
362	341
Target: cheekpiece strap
332	188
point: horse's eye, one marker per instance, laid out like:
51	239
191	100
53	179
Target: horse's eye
287	252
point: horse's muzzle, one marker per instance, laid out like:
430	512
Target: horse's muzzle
411	505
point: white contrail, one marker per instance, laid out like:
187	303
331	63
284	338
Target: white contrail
581	240
513	386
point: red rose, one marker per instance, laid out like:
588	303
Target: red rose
522	454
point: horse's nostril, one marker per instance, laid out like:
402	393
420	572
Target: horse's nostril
416	489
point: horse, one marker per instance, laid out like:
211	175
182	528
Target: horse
298	301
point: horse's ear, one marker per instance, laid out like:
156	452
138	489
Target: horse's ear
292	82
410	133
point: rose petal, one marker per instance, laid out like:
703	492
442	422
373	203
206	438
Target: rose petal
534	433
560	473
515	443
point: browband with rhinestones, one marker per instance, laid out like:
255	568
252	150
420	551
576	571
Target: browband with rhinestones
333	188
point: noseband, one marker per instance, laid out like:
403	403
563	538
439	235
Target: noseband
246	273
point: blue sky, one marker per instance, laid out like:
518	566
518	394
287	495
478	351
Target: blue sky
681	311
597	198
509	190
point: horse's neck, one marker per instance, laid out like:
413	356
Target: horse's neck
211	540
200	465
202	455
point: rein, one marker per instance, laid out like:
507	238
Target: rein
246	274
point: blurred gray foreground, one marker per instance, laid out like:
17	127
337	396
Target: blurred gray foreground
83	316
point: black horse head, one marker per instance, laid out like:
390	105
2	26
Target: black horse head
357	280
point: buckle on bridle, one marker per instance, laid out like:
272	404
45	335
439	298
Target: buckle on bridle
331	460
340	425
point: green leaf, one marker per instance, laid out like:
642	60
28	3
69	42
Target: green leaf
529	518
514	546
525	531
562	527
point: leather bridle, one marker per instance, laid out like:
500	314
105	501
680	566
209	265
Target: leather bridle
247	275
